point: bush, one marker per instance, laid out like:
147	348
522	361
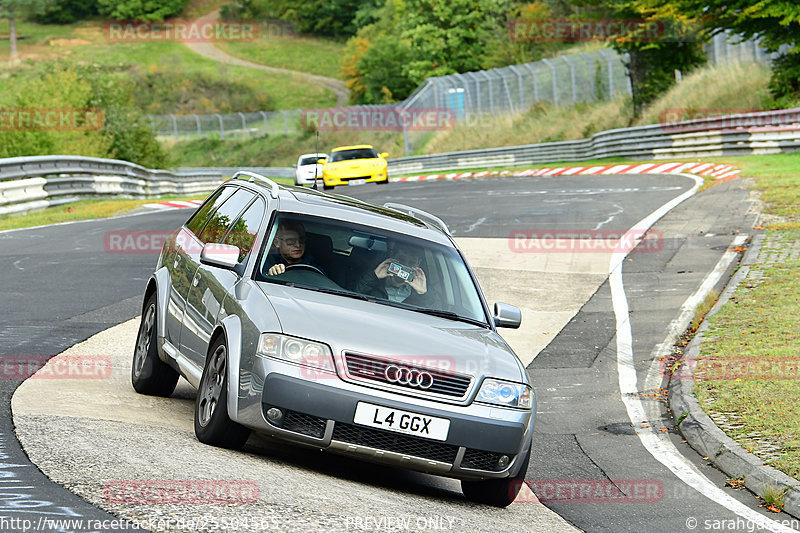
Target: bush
162	91
67	11
145	10
58	90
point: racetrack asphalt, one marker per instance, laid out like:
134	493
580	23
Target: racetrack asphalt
580	432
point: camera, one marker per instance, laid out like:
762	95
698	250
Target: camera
401	271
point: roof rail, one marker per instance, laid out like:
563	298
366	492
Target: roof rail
252	176
419	213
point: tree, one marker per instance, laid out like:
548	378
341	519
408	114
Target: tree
775	22
145	10
11	9
449	37
659	41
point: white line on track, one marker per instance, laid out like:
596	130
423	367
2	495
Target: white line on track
659	446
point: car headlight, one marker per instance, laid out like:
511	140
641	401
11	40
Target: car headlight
294	350
505	393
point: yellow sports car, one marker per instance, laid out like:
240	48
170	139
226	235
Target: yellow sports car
354	165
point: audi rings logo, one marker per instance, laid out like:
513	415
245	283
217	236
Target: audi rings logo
408	376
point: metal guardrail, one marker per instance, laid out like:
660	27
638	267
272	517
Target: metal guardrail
34	182
748	133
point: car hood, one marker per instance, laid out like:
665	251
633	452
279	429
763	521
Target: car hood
352	325
353	164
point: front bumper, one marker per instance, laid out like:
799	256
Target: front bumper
320	414
332	180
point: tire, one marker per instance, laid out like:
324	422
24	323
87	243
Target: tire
384	182
327	187
149	374
496	492
211	422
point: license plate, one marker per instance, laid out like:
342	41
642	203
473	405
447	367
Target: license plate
397	420
357	182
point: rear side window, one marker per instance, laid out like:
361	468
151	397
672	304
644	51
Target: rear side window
222	220
243	233
198	221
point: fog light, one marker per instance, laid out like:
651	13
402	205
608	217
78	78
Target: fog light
274	415
503	461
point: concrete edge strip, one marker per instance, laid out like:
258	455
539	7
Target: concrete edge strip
719	171
702	433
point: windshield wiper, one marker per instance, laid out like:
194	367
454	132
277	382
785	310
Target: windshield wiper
349	294
449	314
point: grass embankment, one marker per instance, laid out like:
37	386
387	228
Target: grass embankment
276	150
85	42
750	354
277	46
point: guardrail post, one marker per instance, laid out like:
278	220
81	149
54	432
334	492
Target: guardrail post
266	126
555	82
491	91
610	61
516	71
244	122
572	78
221	127
174	124
197	122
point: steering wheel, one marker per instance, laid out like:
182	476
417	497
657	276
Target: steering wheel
306	266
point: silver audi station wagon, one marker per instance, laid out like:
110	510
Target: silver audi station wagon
326	321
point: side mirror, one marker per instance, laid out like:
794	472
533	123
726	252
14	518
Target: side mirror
220	255
507	316
321	161
384	154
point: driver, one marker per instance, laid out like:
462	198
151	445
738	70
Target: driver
289	248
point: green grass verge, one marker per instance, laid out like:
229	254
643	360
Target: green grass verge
293	52
757	333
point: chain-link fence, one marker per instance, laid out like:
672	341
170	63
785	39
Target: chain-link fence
227	126
562	80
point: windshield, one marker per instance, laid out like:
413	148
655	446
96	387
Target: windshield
310	160
368	263
356	153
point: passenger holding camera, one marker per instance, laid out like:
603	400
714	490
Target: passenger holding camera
398	278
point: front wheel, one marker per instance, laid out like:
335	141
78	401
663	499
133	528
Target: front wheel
384	182
497	492
211	422
327	187
149	374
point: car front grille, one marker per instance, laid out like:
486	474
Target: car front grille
374	369
356	178
395	442
482	460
